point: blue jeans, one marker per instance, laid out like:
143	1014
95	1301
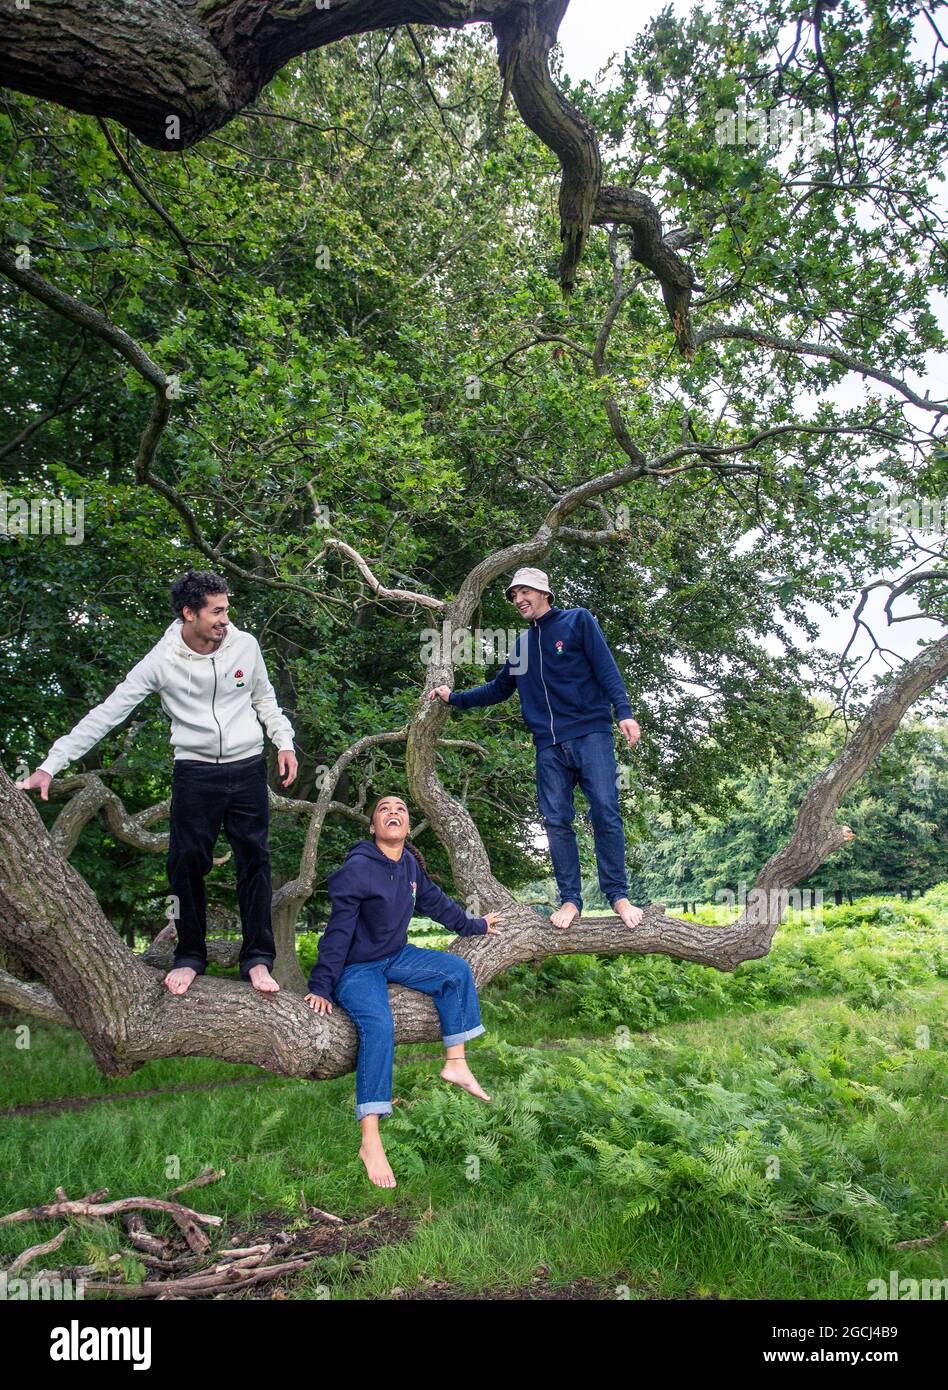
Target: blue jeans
362	990
590	761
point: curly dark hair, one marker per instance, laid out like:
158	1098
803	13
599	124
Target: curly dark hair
193	589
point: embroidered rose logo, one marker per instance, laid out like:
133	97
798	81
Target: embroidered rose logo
559	648
239	677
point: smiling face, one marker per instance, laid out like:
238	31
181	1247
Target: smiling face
529	603
208	627
389	824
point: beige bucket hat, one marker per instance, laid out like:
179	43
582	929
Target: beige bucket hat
534	579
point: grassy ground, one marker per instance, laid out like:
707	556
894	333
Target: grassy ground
658	1128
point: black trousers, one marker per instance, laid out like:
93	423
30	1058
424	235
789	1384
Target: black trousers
205	798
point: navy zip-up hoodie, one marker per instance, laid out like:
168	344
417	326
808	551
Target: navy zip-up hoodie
373	900
565	675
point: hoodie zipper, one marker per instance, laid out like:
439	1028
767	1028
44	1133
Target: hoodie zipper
220	732
542	681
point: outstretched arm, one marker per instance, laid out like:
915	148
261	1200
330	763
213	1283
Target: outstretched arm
431	902
490	693
140	681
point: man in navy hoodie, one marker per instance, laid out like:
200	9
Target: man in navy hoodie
569	685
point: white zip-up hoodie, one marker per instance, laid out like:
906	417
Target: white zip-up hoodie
215	702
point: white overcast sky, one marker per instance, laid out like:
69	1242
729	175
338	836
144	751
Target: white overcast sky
591	32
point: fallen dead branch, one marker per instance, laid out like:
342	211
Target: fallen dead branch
143	1239
208	1175
315	1211
925	1240
226	1277
253	1255
188	1222
164	1266
35	1251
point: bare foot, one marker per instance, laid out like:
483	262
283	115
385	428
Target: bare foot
262	980
565	916
630	915
457	1071
376	1164
178	979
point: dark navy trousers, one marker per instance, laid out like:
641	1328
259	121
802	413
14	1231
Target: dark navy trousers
205	799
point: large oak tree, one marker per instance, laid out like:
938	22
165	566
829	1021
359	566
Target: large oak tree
712	304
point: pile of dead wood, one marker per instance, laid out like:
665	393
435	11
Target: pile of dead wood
185	1267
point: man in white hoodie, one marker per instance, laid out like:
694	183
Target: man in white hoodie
213	683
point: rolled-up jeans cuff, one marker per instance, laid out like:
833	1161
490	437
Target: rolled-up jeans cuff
452	1039
373	1107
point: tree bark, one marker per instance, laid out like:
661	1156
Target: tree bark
286	967
142	61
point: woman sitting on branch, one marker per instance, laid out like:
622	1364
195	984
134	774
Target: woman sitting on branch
365	948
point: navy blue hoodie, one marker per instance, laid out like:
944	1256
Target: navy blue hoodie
373	900
565	675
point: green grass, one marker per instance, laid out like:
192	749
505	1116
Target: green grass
766	1134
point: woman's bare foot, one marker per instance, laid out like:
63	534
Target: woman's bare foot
565	916
457	1071
178	979
262	980
630	915
376	1164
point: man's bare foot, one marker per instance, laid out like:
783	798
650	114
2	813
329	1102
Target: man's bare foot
565	916
630	915
262	980
457	1071
178	979
376	1164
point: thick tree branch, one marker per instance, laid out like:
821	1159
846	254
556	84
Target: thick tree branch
88	795
173	71
31	997
815	834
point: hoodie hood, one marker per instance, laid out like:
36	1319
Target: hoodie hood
370	850
180	650
173	638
